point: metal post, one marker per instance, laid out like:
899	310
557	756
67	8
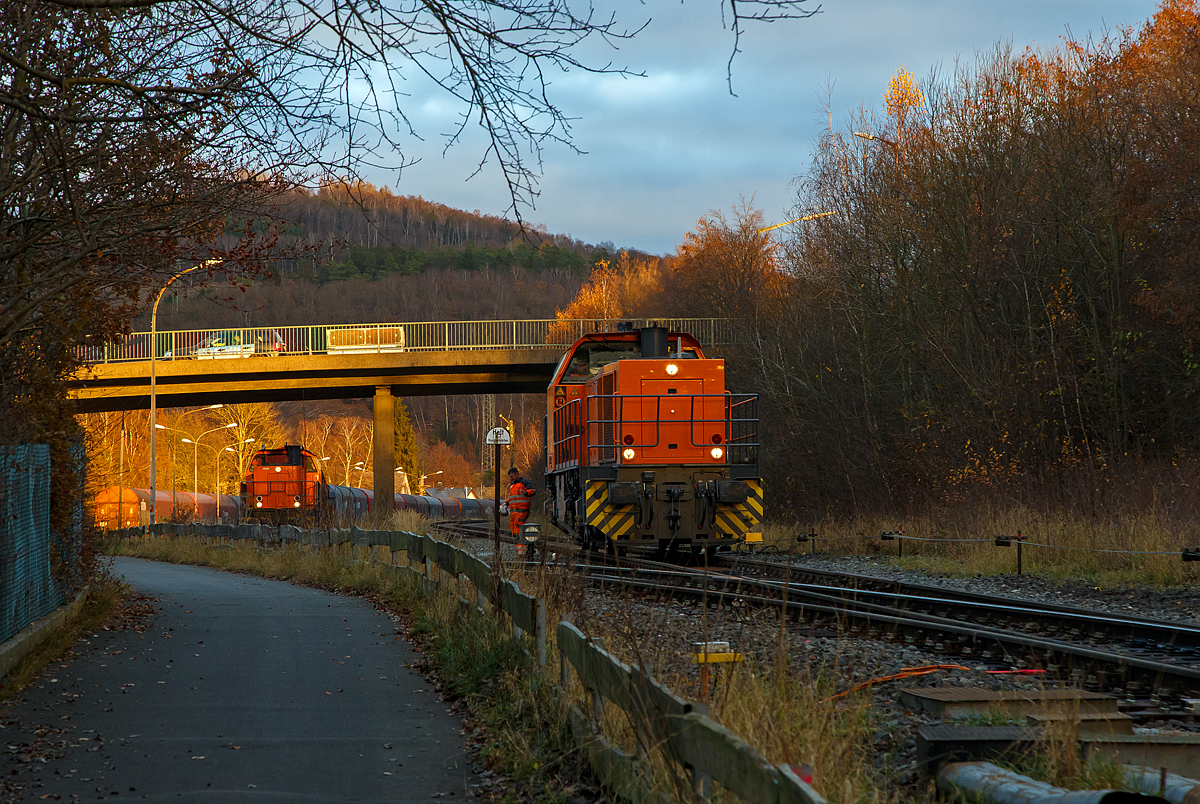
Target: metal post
153	395
497	511
217	484
1020	539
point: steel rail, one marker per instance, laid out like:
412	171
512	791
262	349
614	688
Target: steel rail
1094	666
1143	634
1036	615
1103	668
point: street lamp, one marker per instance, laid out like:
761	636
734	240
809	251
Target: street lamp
195	453
153	492
153	393
217	479
239	450
421	481
865	136
217	475
798	220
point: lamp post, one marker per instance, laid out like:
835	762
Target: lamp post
766	229
217	478
153	491
217	472
196	456
153	392
421	481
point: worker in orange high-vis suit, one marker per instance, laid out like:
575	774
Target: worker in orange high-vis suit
520	491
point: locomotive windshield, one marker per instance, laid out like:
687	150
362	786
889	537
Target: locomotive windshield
589	358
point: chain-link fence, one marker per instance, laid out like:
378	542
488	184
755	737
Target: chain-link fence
30	553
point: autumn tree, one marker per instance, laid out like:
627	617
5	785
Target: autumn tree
729	268
406	449
996	283
257	425
630	287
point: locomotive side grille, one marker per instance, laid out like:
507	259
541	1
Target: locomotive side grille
608	417
568	432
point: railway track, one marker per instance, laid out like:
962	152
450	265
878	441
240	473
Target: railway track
1153	665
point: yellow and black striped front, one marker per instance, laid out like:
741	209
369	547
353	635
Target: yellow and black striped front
611	520
735	519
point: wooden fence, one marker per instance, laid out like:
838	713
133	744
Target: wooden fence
665	723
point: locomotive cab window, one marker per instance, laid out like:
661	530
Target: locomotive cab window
588	359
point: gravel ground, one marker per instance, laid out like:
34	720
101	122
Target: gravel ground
1177	603
667	629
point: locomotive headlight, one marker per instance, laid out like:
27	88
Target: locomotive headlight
672	369
628	453
717	452
278	468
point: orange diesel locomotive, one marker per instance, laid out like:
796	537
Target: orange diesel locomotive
287	485
646	449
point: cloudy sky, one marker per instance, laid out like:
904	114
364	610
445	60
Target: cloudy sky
664	149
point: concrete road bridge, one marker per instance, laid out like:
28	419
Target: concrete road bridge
341	361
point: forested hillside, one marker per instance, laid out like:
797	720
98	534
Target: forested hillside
376	257
356	231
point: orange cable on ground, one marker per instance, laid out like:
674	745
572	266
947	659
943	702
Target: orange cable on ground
905	672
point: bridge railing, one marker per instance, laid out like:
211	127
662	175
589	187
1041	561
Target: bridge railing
417	336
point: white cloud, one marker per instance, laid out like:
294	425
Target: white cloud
664	149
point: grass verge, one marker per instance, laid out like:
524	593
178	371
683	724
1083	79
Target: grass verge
102	601
1141	548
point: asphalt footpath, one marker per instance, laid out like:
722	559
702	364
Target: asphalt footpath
240	689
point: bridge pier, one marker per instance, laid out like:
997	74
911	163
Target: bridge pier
385	450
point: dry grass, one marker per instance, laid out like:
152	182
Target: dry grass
103	599
786	716
1071	539
790	720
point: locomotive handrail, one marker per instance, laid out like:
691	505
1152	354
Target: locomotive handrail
569	445
733	440
390	337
